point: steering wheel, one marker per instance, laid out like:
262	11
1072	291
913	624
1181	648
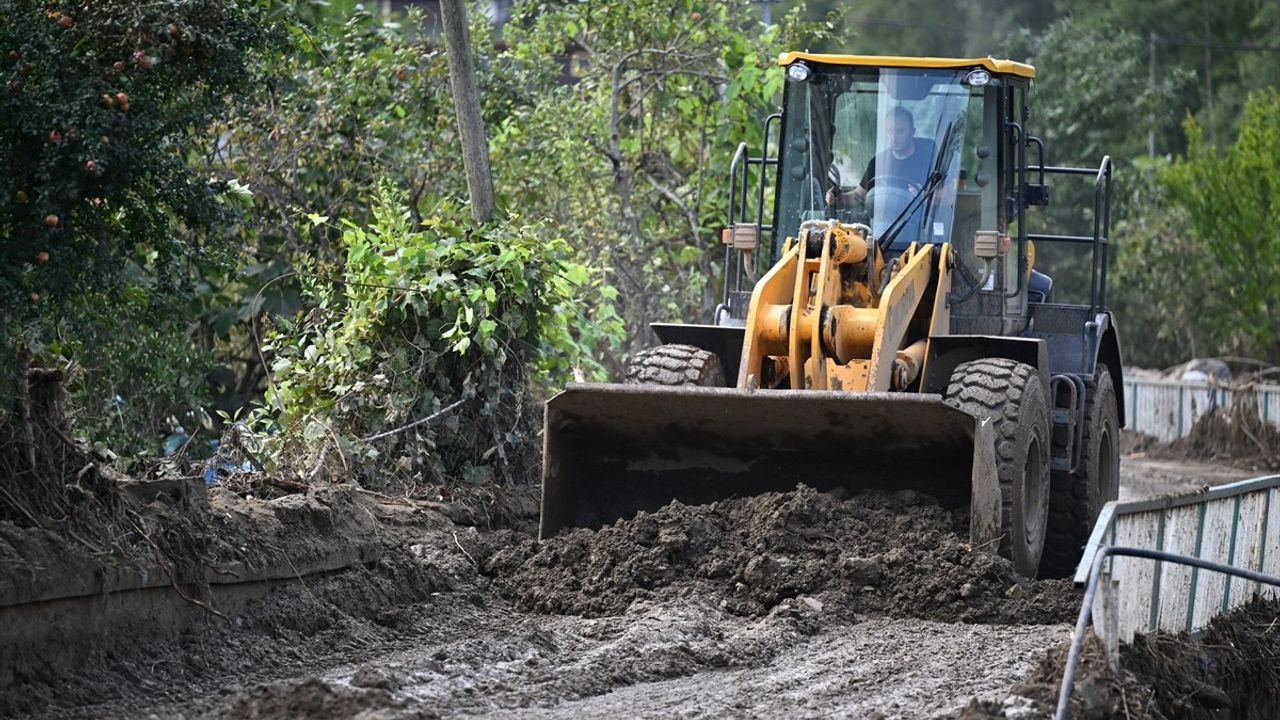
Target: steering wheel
891	193
897	181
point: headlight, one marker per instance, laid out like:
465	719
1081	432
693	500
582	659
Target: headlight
799	72
978	78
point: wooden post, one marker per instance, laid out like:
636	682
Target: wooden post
1106	619
466	105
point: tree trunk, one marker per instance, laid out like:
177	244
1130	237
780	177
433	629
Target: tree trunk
24	429
466	104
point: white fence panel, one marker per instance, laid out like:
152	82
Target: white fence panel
1236	524
1167	409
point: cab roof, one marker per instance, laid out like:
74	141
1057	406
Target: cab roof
1008	67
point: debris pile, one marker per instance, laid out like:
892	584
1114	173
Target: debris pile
899	554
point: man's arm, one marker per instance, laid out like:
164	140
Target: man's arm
859	192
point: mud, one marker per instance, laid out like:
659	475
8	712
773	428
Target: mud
296	626
898	554
674	660
797	604
1226	671
1146	469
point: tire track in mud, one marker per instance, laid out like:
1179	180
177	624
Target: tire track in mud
674	660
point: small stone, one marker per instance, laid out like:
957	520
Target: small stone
717	569
1014	591
967	590
812	604
368	677
863	571
761	570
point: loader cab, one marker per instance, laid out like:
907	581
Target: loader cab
919	153
921	150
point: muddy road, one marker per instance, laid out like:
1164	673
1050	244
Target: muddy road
797	604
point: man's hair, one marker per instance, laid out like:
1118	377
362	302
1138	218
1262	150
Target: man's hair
899	112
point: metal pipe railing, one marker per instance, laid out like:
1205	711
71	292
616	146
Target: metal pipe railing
738	155
1091	589
1100	240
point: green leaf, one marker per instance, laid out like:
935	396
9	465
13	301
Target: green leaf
314	430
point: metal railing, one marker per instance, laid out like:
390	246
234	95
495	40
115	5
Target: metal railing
1096	575
1100	240
740	209
1202	540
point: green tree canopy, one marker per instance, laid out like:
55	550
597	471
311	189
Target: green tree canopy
1232	201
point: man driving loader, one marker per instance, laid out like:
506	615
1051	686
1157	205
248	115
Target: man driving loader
906	161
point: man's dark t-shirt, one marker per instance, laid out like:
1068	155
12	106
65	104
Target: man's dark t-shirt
913	169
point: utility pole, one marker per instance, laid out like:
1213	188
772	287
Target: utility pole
1208	70
1151	89
466	105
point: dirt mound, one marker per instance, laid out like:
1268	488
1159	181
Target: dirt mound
1235	435
1133	442
1229	671
898	554
325	620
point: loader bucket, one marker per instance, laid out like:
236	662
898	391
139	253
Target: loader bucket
611	450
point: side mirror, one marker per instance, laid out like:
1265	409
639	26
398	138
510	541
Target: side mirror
1035	194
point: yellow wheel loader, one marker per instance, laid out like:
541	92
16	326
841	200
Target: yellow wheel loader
884	329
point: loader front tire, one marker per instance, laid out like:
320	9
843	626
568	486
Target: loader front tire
675	365
1012	396
1077	498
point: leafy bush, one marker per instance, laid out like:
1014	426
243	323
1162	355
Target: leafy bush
417	320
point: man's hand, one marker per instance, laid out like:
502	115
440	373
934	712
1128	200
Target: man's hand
836	197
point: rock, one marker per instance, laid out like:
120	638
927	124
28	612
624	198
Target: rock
371	677
967	590
1017	707
810	603
1208	696
717	569
672	540
897	556
863	571
761	570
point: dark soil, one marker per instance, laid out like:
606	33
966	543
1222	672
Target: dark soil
898	554
794	604
1133	442
296	626
1231	670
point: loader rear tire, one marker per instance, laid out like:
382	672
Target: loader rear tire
1077	498
1011	394
675	365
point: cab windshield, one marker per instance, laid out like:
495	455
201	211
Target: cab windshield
908	151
